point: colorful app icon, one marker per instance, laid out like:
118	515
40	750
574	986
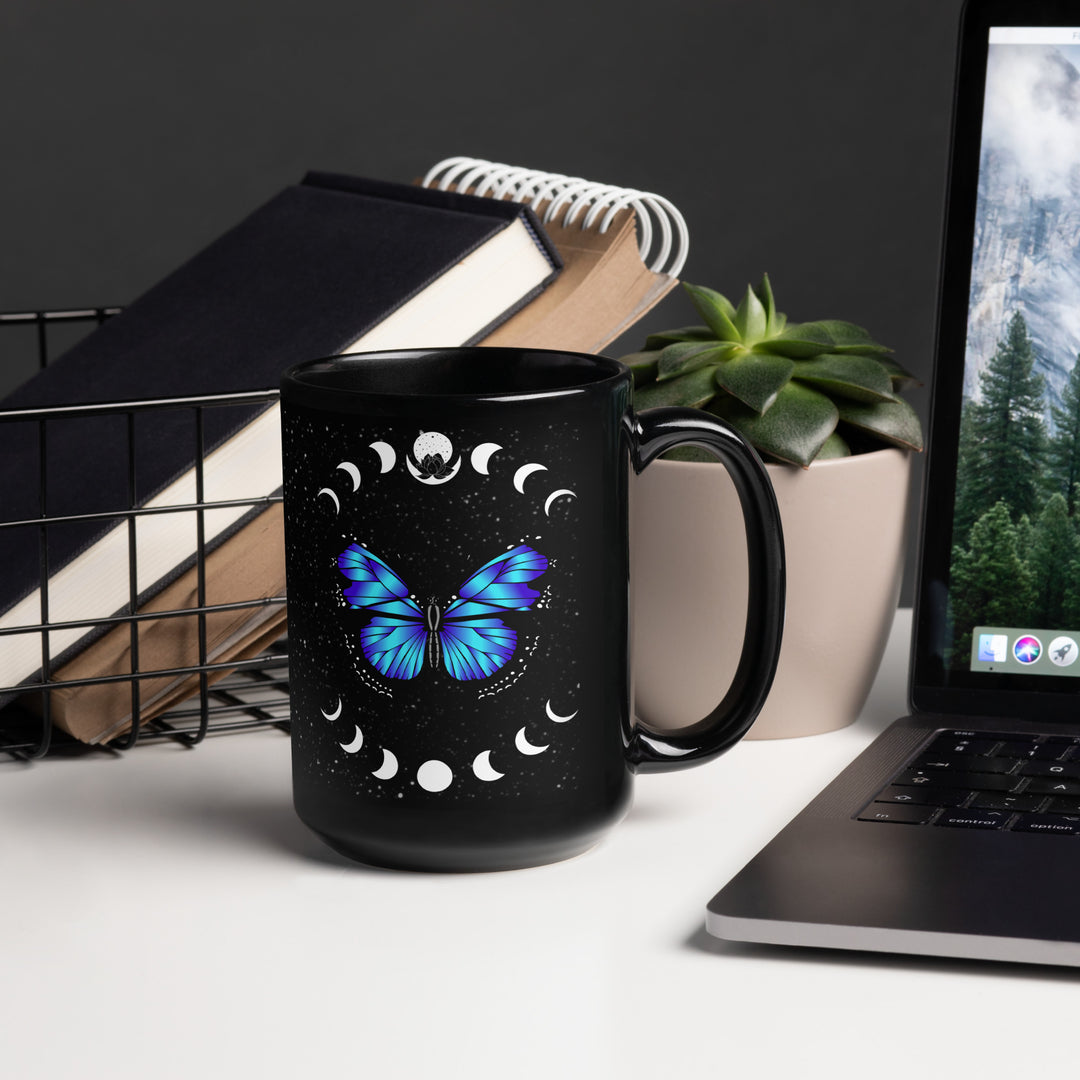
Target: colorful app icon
993	648
1062	651
1027	649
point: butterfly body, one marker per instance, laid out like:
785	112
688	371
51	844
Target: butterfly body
467	637
434	647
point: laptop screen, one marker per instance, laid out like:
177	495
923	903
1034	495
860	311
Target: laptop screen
1000	595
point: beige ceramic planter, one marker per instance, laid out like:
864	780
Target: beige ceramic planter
844	522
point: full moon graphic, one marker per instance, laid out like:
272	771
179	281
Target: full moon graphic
433	444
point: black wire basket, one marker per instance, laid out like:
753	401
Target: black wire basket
253	694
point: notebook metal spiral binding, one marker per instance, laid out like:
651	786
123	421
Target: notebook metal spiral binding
255	695
564	200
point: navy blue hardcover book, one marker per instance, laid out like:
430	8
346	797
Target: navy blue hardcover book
330	265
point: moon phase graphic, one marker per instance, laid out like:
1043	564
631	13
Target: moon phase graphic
524	473
481	457
387	455
483	769
433	450
555	495
353	471
358	741
434	776
526	747
389	767
432	444
555	717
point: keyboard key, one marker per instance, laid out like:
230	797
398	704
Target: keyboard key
950	742
1048	823
945	778
1063	806
974	819
991	801
903	815
923	796
1036	751
1051	751
1051	768
966	763
1048	786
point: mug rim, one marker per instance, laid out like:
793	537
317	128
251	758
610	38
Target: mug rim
296	381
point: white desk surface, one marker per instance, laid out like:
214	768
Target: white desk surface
164	915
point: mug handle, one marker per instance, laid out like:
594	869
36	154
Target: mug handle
651	433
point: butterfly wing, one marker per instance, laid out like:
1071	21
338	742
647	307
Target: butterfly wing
476	648
476	644
500	585
394	640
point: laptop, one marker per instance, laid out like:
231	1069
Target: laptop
957	832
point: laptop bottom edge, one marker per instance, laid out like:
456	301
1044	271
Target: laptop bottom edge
892	940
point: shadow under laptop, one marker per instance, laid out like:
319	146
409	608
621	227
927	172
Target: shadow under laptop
702	941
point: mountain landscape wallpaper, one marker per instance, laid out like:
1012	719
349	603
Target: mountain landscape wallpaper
1016	553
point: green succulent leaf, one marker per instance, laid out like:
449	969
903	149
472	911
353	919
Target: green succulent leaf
795	427
802	340
682	333
643	365
786	387
847	337
751	320
835	446
686	356
694	389
768	302
894	422
849	375
755	378
715	309
902	379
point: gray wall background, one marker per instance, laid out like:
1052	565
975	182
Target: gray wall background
807	138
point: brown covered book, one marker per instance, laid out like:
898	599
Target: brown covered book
622	250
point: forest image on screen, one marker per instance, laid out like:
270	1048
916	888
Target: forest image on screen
1016	530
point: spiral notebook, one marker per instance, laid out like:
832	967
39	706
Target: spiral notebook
622	250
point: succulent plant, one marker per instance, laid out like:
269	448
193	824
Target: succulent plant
798	392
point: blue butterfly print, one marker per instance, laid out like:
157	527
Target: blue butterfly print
467	636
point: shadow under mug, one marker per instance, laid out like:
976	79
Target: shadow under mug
457	566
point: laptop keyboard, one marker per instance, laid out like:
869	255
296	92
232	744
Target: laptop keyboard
985	780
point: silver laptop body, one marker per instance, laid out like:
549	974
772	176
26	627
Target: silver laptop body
994	732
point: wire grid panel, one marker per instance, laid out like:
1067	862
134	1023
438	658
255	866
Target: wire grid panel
232	695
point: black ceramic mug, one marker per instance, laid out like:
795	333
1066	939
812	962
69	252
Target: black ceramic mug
457	566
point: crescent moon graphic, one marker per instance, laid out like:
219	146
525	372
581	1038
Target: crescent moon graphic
332	715
358	741
481	456
483	769
552	715
388	769
415	472
353	472
524	473
333	495
554	495
387	455
523	744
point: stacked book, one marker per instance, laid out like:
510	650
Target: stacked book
158	513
